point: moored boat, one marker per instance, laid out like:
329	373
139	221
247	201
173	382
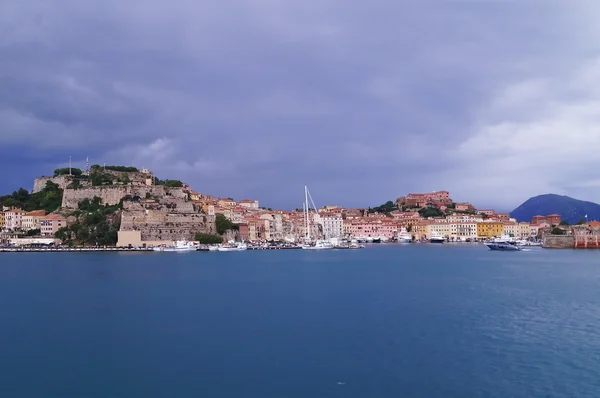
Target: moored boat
436	238
178	246
404	236
233	247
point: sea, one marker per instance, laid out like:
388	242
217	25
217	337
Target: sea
390	320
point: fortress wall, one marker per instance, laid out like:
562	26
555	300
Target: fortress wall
40	183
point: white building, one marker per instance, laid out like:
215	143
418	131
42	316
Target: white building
13	219
333	226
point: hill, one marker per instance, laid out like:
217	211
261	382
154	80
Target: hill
571	210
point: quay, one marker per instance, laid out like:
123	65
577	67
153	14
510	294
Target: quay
73	249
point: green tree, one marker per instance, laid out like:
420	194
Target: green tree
124	178
33	232
387	207
430	212
173	183
65	170
223	224
409	228
557	231
208	239
581	221
564	222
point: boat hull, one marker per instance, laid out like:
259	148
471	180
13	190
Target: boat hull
436	240
506	247
174	249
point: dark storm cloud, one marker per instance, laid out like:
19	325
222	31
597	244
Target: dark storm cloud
362	102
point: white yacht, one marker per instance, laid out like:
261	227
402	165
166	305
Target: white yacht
436	238
404	236
179	246
319	245
503	244
233	247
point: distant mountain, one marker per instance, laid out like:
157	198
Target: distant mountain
571	210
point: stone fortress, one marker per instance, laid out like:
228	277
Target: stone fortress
152	214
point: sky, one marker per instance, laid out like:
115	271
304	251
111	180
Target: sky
493	100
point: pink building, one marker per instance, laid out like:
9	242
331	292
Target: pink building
371	228
52	223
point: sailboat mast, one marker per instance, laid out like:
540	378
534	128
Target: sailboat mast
307	212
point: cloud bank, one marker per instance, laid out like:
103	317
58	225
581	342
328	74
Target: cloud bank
496	101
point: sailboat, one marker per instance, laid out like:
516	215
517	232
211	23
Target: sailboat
309	244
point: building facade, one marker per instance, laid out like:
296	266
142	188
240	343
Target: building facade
52	223
13	219
32	220
333	225
490	229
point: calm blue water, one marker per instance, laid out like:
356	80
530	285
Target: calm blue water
386	321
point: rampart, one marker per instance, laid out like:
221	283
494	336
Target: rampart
40	183
163	224
558	242
112	194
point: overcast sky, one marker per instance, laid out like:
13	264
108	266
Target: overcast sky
493	100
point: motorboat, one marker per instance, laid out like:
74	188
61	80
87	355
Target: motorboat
503	244
178	246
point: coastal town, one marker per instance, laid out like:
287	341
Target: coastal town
148	212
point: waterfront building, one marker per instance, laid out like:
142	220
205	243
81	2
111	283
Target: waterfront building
52	223
442	229
511	229
421	229
2	220
490	229
13	219
333	225
466	230
525	230
31	220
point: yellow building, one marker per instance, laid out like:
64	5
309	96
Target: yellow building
421	230
2	220
524	230
489	229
